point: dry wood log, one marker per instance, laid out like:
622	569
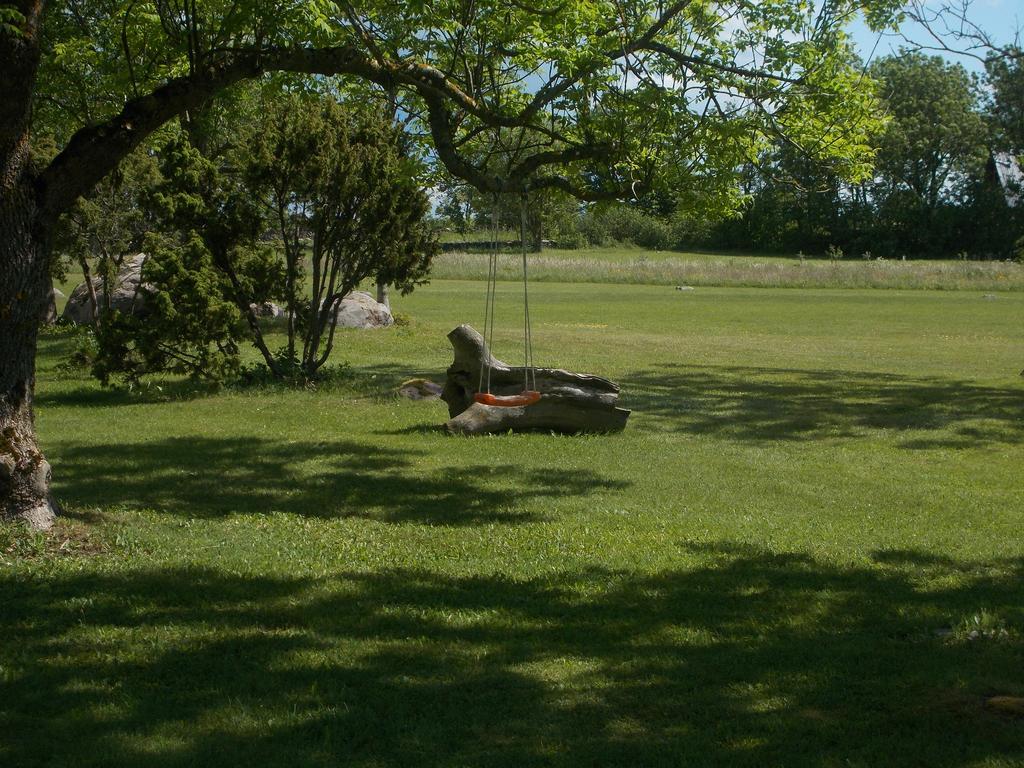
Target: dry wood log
570	402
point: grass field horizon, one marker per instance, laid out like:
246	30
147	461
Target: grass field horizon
804	550
633	265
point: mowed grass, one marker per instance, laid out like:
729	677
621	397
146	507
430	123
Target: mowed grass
805	550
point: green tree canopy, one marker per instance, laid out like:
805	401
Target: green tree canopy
337	176
1006	103
593	96
935	131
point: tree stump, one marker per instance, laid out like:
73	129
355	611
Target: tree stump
570	402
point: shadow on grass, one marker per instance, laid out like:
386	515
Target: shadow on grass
755	404
751	659
419	429
92	395
211	477
73	385
379	382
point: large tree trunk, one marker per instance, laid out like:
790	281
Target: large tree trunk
570	402
24	279
24	283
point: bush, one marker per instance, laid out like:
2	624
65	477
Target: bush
625	224
345	205
691	231
592	229
573	239
338	173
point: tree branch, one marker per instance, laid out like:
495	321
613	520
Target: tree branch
690	62
96	150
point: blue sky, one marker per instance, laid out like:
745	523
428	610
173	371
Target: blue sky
1000	18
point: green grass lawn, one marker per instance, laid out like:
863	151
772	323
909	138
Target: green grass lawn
805	550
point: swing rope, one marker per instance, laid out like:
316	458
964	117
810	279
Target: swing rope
492	284
528	369
529	394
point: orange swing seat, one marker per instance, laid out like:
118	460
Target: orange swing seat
526	397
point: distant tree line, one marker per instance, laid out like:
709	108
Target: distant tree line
935	192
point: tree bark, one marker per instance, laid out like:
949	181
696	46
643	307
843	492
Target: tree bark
90	288
24	280
50	313
570	402
24	471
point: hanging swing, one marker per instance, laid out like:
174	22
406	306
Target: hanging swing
530	394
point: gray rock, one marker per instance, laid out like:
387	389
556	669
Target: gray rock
267	309
360	310
420	389
128	293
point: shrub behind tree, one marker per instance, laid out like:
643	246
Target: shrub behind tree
301	209
337	175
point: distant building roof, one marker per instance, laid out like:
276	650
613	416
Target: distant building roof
1010	176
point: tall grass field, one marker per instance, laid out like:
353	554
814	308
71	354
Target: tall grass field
806	549
631	265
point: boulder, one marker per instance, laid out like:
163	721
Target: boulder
128	294
360	310
267	309
420	389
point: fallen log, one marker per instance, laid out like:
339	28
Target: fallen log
570	402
